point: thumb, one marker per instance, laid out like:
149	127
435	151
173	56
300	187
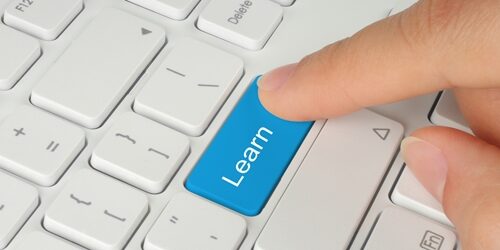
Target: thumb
463	173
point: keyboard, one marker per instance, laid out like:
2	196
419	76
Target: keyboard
136	125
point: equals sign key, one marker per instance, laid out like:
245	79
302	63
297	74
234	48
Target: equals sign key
52	147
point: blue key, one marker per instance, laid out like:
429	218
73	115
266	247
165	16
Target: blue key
245	161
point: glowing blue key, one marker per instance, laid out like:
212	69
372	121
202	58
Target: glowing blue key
248	156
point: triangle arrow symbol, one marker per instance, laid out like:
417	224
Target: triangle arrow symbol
145	31
383	133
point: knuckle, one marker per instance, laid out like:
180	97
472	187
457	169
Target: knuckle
451	30
448	20
440	14
454	19
429	20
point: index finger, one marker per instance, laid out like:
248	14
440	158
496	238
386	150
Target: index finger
434	45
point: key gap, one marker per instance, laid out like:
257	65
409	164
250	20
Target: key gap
56	235
370	232
291	178
375	196
434	105
71	22
27	71
134	84
396	182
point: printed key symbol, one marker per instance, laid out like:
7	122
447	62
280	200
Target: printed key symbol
19	131
52	147
174	219
431	241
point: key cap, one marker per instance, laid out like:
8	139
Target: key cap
21	51
190	223
96	211
141	152
43	241
248	156
18	200
87	82
446	113
45	19
247	23
398	229
329	195
175	9
38	146
189	87
409	193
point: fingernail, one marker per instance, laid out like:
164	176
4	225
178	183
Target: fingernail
428	164
274	79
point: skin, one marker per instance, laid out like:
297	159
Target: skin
434	45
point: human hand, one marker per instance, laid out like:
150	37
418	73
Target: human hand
434	45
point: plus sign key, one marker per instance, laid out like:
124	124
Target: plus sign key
19	131
38	146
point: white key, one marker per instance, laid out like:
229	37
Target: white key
409	193
21	51
45	19
398	229
329	195
285	2
247	23
188	223
96	211
141	152
447	113
38	146
86	83
43	241
175	9
189	87
18	200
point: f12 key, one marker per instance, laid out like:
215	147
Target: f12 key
41	18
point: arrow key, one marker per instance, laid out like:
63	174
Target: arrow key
350	160
145	31
383	133
79	95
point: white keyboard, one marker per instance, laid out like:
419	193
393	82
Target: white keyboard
117	119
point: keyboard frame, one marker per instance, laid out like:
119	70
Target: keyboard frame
287	44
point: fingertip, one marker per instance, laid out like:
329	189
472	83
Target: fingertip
273	95
275	105
427	162
276	78
470	192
